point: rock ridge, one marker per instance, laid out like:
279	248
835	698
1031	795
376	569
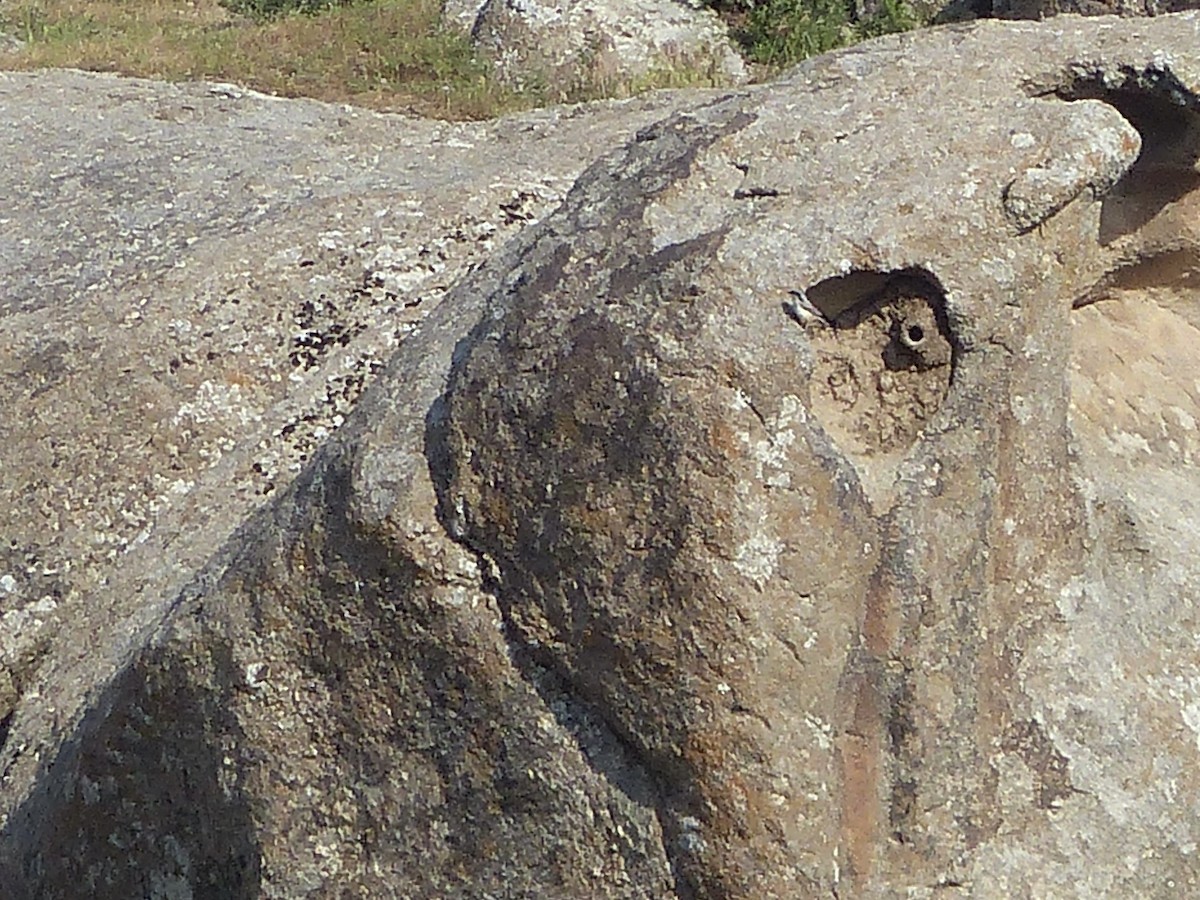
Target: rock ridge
802	508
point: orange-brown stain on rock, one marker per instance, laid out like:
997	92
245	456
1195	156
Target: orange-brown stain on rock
861	768
881	625
724	440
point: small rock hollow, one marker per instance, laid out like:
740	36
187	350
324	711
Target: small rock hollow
1167	116
1135	326
882	367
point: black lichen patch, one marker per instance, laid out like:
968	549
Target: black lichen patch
1051	770
320	329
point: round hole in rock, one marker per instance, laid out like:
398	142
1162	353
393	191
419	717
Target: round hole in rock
882	369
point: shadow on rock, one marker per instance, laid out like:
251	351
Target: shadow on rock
140	803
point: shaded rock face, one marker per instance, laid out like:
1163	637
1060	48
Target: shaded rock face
799	469
1039	9
199	283
583	45
958	10
804	508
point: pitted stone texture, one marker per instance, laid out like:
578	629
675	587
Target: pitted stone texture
567	45
1043	9
200	282
852	674
589	597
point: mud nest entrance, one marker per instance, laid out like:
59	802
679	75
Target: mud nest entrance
882	367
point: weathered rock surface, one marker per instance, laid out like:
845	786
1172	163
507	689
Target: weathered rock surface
580	44
199	281
1043	9
805	508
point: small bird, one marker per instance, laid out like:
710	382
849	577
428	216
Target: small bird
802	310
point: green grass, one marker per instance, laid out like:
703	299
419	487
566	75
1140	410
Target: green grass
779	33
385	54
267	9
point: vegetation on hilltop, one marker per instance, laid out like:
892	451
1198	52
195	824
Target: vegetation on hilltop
778	33
386	54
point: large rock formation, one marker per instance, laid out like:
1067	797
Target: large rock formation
805	508
844	474
199	282
1042	9
573	46
957	10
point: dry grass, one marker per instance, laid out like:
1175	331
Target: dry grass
386	54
